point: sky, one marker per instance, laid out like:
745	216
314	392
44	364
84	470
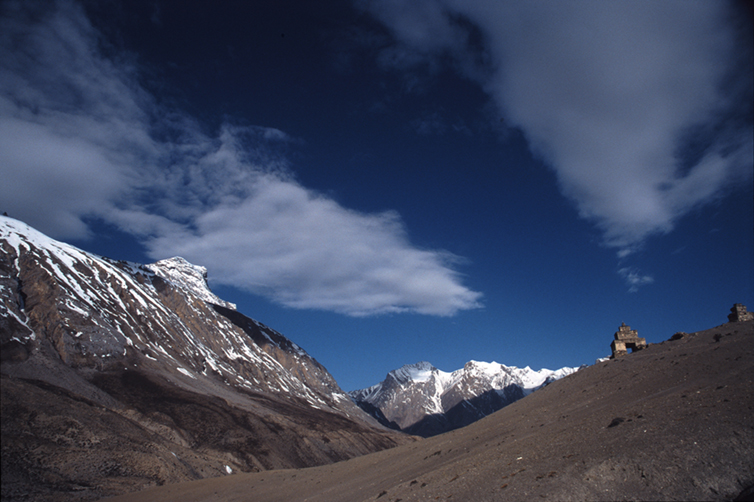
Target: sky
387	182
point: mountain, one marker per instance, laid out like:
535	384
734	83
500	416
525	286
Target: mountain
674	421
118	376
422	400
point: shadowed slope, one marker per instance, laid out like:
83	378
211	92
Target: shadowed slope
672	422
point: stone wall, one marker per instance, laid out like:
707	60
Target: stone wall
626	338
739	313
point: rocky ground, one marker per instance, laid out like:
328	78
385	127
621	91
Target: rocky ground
674	421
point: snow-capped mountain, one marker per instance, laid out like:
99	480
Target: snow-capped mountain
425	401
107	313
189	277
153	346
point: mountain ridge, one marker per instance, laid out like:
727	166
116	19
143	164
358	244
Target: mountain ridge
123	311
423	400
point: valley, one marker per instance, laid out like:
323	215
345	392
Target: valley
136	382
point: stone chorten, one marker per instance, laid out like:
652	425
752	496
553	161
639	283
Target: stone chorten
626	338
739	313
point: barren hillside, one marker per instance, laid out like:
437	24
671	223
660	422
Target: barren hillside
672	422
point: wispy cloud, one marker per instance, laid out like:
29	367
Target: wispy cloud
642	109
79	138
635	278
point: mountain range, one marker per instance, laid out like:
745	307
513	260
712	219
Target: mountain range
422	400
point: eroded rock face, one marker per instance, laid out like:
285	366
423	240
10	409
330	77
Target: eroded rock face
117	376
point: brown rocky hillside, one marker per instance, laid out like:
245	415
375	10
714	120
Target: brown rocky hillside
674	421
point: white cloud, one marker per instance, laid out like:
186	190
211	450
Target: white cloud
306	251
80	138
634	278
69	120
608	93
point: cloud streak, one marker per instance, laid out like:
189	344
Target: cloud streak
80	138
634	278
612	95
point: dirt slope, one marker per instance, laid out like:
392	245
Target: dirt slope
672	422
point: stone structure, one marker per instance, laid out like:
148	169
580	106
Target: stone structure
626	338
739	313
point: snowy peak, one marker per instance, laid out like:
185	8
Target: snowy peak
177	271
418	372
187	276
424	400
17	234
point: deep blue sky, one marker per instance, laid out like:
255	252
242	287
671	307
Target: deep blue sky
390	182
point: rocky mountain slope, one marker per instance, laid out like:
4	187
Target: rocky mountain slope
118	376
674	421
422	400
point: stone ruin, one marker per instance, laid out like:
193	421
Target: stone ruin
626	338
739	313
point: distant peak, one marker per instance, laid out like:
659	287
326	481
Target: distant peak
481	364
417	372
178	260
193	278
421	365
